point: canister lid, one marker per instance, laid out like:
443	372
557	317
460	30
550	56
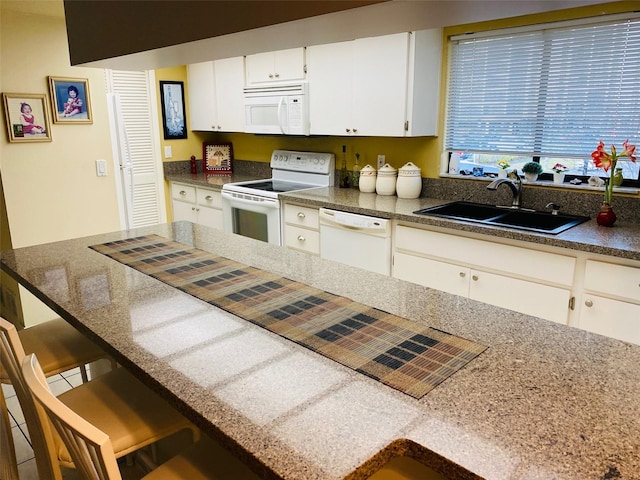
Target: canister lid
409	170
387	170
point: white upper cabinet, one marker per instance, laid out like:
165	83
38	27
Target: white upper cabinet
280	66
378	86
216	101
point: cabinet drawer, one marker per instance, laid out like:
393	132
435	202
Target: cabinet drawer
548	267
185	193
302	239
301	216
209	198
618	280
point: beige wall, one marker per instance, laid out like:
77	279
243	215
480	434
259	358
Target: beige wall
51	189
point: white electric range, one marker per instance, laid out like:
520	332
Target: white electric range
253	208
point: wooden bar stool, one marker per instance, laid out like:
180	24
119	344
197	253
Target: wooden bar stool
59	346
117	403
92	449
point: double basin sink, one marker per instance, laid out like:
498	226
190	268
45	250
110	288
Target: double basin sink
518	218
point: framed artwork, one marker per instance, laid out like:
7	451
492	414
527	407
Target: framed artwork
27	117
217	158
70	100
174	120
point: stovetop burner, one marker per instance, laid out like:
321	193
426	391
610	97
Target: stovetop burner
277	186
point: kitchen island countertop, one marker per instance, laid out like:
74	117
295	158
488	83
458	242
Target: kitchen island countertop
544	401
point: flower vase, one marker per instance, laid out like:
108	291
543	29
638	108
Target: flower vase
606	216
558	177
530	177
502	173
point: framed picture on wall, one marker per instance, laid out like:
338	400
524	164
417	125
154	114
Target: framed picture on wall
174	120
70	100
27	117
217	158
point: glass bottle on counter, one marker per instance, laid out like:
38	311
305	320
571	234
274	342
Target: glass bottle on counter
356	172
345	178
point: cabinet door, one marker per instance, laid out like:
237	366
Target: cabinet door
431	273
550	303
209	217
330	88
279	66
229	83
184	211
289	64
380	85
612	318
202	101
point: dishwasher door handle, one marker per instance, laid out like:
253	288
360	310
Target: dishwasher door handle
354	222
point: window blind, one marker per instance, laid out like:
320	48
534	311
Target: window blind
555	91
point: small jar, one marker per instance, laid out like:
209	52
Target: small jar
618	178
409	183
368	176
386	181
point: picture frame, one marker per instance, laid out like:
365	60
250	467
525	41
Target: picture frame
174	119
217	158
23	127
70	100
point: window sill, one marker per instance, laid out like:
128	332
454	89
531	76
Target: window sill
547	183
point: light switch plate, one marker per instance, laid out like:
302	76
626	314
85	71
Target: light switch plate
101	168
167	151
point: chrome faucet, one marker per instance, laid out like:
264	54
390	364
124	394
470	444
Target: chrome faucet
514	183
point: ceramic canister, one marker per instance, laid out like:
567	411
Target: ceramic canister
386	181
368	179
409	183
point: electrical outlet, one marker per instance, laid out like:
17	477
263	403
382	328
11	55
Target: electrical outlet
167	151
101	168
381	161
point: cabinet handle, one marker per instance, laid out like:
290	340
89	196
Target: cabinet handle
271	75
208	198
475	278
182	192
348	130
462	274
277	75
301	215
193	209
589	303
355	130
301	238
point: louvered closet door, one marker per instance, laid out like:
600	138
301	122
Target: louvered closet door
134	130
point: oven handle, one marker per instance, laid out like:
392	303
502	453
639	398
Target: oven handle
263	202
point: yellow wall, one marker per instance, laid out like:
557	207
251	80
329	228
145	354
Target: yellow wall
51	190
425	152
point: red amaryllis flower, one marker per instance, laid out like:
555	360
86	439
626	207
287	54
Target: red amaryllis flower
607	161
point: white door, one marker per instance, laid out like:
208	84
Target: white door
135	141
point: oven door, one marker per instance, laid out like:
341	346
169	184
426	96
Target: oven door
252	216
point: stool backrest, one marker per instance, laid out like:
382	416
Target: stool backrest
8	463
11	356
89	447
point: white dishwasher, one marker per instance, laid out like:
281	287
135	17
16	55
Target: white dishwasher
356	240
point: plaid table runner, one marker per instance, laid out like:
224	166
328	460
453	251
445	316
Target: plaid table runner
400	353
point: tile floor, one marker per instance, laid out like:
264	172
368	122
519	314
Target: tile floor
24	453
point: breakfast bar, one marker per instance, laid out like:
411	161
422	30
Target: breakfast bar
536	400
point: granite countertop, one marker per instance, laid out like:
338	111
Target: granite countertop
621	241
544	401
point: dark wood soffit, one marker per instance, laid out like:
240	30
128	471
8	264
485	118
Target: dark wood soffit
101	29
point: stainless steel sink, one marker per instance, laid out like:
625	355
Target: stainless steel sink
521	219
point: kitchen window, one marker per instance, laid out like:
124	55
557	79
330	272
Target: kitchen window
546	93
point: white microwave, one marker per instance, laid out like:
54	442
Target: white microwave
277	109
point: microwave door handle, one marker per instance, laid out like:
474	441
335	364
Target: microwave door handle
280	104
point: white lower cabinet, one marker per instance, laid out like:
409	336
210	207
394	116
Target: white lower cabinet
302	228
197	205
610	303
532	282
